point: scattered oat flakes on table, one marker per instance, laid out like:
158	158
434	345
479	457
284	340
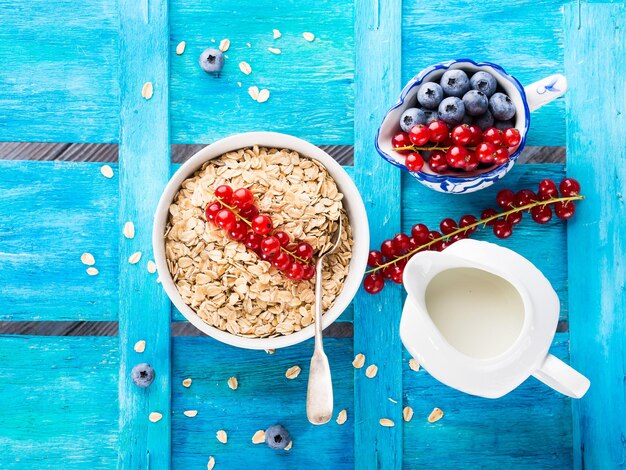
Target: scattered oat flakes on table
147	90
87	259
276	33
435	415
106	171
135	257
289	446
221	436
359	361
414	365
274	50
180	47
264	95
224	45
259	437
407	413
211	464
155	416
293	372
151	267
245	67
92	271
129	230
233	383
190	413
140	346
386	422
342	417
187	383
253	91
308	36
371	371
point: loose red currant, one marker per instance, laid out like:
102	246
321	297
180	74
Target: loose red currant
487	214
238	231
467	220
514	218
249	213
501	156
243	198
512	137
225	219
295	271
262	224
419	232
547	190
477	134
396	273
400	243
502	229
283	237
419	135
373	283
414	161
270	246
438	131
505	198
304	251
471	161
564	209
541	214
485	152
211	210
434	235
524	197
447	226
224	193
388	249
437	161
374	259
309	272
461	135
493	136
281	261
401	140
455	156
253	241
569	187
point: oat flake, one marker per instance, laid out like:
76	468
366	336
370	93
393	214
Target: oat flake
88	259
129	230
134	258
342	417
407	413
106	171
274	50
264	95
211	464
224	45
290	445
221	436
359	361
371	371
414	365
140	346
245	67
253	91
180	48
276	33
259	437
293	372
147	90
435	415
151	267
187	383
190	413
308	36
386	422
155	416
232	383
92	271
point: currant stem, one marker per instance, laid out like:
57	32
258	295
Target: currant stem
477	224
414	148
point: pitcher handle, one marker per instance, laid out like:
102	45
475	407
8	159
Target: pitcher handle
545	90
562	378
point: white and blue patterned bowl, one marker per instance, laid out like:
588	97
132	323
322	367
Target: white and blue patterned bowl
525	99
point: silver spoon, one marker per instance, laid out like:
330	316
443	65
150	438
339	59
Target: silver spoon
319	398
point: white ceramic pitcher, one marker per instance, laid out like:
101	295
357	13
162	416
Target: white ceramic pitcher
480	318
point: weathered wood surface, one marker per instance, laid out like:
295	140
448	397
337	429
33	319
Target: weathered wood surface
594	63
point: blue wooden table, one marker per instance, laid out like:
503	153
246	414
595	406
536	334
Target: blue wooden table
74	71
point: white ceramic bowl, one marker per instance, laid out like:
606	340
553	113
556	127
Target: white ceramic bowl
352	203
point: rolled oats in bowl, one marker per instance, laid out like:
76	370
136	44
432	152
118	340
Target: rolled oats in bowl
228	286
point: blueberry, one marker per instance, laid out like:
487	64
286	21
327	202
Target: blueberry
411	117
431	115
501	107
142	374
211	60
455	83
485	82
502	125
476	103
277	437
452	110
485	121
430	95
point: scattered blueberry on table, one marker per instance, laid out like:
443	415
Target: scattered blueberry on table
211	60
142	375
277	437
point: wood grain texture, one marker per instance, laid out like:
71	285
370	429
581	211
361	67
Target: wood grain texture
144	168
377	33
59	402
523	36
58	81
311	83
596	119
544	245
530	427
264	397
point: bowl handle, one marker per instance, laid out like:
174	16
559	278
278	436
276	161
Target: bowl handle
562	378
545	90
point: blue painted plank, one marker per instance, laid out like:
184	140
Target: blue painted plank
58	81
596	119
264	397
524	36
376	320
311	84
530	427
51	214
544	245
144	168
59	402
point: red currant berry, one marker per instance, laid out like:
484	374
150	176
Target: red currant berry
224	193
419	232
434	235
238	231
414	161
466	221
437	161
400	243
512	137
501	156
547	189
249	213
388	249
493	136
488	213
374	259
295	271
569	187
396	273
541	214
477	134
447	226
438	131
514	218
283	237
281	261
253	241
444	245
262	224
419	135
270	246
461	135
524	197
471	161
387	271
502	229
211	210
485	152
564	209
243	198
401	140
373	283
413	245
505	198
309	272
304	251
455	156
225	219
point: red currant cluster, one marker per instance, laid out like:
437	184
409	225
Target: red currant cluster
390	260
235	212
464	148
